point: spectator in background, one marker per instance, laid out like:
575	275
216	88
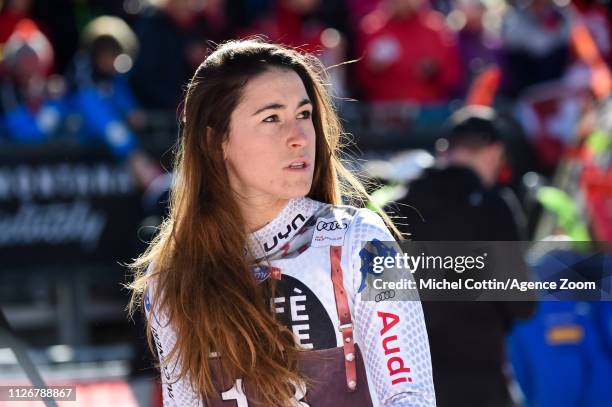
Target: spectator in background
457	198
408	54
597	19
55	19
479	45
296	23
101	95
12	12
300	23
457	201
172	40
309	25
31	102
568	342
536	44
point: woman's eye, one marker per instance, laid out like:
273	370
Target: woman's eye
305	114
271	119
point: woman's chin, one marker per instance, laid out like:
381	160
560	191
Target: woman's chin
298	191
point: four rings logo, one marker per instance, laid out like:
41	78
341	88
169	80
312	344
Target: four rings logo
330	226
385	295
329	231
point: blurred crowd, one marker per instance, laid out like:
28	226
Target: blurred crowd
94	71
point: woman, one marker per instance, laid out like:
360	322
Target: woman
252	284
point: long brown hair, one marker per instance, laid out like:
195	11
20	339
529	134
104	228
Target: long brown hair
203	282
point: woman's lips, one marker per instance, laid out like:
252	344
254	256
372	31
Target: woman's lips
298	165
302	168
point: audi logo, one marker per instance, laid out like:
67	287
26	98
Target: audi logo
330	226
385	295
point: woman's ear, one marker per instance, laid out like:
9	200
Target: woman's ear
224	147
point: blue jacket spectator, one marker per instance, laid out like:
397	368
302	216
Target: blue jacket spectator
563	355
100	94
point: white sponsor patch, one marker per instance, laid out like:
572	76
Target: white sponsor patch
329	232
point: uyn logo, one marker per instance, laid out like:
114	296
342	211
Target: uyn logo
280	235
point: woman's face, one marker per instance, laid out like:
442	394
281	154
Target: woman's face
270	151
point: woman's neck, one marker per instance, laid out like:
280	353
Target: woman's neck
258	213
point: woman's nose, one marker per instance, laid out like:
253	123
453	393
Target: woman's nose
297	137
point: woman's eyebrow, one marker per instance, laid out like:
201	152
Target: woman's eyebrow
275	106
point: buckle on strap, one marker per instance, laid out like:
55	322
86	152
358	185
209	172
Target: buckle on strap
345	326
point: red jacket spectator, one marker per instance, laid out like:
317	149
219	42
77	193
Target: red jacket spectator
11	14
302	24
289	24
408	54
